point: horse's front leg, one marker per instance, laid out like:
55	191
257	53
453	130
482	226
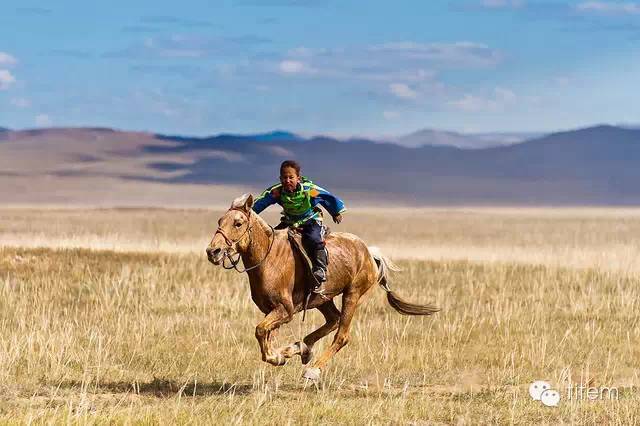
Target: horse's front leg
274	319
304	348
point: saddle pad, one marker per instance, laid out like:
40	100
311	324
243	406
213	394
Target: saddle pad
295	239
296	231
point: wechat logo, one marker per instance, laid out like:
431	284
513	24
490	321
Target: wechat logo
542	391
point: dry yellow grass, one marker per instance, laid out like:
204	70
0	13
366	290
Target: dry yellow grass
158	335
578	238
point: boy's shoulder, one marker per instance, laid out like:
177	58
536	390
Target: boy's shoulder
306	183
311	187
273	190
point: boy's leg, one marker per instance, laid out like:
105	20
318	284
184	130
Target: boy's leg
313	240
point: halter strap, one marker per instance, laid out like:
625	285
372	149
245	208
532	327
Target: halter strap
230	242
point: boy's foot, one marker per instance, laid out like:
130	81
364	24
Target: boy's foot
319	270
320	278
320	291
319	274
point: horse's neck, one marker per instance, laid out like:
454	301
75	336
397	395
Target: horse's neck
261	235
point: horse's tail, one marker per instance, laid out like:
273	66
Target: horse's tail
400	305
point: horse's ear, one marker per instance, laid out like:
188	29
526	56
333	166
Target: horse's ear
248	204
244	202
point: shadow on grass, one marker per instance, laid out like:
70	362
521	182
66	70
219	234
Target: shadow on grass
162	388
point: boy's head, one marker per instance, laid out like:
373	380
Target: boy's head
289	175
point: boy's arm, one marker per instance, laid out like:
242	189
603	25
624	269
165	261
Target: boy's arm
265	199
333	204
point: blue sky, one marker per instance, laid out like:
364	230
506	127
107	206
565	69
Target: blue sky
333	67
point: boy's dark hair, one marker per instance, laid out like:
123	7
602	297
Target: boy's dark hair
290	163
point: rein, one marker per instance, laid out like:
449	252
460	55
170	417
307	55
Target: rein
234	262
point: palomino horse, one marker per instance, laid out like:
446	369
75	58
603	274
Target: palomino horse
278	277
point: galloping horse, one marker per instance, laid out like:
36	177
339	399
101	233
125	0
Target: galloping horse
278	277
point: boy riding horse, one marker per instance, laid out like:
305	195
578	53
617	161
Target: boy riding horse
300	198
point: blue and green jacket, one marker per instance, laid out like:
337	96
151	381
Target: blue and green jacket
300	206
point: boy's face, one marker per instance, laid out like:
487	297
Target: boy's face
289	179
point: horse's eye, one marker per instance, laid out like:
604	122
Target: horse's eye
237	224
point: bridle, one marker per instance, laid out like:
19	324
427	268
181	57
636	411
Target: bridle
230	243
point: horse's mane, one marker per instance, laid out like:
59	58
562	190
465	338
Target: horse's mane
238	204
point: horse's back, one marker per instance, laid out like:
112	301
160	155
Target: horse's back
348	253
344	239
348	249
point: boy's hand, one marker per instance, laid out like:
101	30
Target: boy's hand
337	218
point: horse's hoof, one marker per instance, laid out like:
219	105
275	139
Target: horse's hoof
312	373
277	360
305	353
280	360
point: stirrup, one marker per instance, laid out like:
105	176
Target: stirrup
319	291
319	275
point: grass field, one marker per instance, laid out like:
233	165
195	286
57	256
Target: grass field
115	316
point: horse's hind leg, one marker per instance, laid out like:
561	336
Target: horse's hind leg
332	316
349	305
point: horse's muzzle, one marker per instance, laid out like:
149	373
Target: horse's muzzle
215	255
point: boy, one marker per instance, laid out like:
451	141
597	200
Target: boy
299	199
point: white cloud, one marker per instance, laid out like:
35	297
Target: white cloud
498	101
189	46
461	54
292	67
390	115
609	7
403	91
405	62
160	103
504	95
7	60
500	4
43	120
561	80
469	103
304	52
6	79
21	102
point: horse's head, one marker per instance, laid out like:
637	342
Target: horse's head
233	233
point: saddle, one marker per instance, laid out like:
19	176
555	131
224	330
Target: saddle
295	239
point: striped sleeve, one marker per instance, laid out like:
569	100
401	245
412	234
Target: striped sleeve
267	198
333	204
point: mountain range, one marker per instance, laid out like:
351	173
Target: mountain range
462	140
591	166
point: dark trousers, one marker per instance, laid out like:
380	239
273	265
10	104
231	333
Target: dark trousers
312	235
313	242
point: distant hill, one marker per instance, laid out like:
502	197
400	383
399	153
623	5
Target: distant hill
595	166
587	166
506	138
439	137
278	135
462	140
